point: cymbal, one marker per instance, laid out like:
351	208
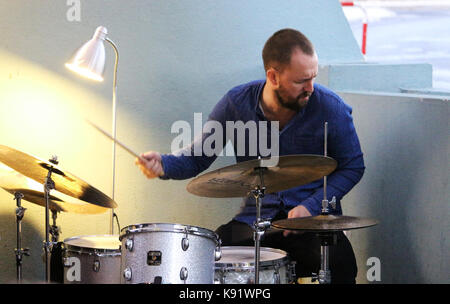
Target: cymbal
65	182
324	223
240	179
14	182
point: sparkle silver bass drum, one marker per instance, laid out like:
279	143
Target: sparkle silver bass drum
165	253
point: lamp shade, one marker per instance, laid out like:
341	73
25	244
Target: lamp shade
89	60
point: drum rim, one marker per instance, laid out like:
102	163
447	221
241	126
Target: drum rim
96	251
168	227
251	265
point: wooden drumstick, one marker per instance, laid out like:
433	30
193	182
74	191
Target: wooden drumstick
115	140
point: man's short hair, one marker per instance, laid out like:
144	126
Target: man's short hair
278	48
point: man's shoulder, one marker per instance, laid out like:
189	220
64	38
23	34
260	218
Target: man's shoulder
240	99
245	91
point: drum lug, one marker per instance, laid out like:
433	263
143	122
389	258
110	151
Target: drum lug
276	274
276	278
96	266
127	274
185	240
183	274
66	262
185	243
217	253
129	244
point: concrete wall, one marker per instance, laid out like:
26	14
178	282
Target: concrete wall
404	138
375	77
403	125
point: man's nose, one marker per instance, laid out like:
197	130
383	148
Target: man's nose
309	87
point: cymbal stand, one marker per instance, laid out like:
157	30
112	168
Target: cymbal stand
19	251
325	210
48	186
326	239
260	225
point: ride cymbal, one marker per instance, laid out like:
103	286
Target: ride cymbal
240	179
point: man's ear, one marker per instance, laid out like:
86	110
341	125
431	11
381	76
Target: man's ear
273	77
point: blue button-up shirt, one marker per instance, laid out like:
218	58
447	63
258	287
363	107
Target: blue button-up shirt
304	134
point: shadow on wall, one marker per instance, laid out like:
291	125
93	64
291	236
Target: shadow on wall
33	267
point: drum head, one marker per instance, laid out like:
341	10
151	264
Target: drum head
108	242
244	256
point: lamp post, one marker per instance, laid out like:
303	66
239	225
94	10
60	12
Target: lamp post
89	62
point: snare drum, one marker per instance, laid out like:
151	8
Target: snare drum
92	259
237	266
168	254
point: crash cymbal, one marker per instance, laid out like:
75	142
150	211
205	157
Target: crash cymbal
33	192
240	179
65	182
324	223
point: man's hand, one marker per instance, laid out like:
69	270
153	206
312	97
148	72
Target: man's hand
299	211
150	164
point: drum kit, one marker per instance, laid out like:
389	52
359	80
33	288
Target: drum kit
164	253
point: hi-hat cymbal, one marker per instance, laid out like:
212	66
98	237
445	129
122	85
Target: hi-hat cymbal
240	179
33	192
65	182
324	223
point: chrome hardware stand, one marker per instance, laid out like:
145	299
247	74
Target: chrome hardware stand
19	251
48	186
260	225
54	230
326	238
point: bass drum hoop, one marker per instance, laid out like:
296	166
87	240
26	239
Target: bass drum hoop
236	266
167	227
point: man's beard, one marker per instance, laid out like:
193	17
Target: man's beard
294	104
